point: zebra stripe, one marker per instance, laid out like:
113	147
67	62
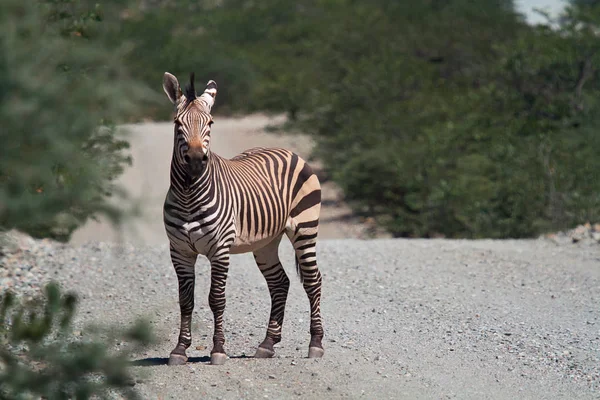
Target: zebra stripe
216	207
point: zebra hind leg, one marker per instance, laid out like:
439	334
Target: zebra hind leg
278	282
304	240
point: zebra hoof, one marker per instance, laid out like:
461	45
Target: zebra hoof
177	359
218	358
315	352
261	352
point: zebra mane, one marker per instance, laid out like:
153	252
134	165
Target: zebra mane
190	91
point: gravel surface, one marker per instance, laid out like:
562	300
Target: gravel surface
414	319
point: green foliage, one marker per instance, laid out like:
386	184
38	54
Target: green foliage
277	41
260	53
181	37
440	120
446	118
62	90
412	112
40	357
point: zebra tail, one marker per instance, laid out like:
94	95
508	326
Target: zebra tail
299	270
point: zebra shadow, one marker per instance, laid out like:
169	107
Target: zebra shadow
154	361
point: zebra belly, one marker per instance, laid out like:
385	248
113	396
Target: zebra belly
241	245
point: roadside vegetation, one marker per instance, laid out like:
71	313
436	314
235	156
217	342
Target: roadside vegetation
42	356
454	119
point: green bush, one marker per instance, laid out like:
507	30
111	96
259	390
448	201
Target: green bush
438	118
184	36
41	357
62	90
452	118
464	122
258	52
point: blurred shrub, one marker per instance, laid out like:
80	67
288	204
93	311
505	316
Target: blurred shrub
438	118
41	358
458	119
184	36
63	88
259	53
277	41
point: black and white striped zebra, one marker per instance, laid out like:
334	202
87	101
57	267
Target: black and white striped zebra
217	207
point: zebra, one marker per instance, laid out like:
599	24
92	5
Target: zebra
216	207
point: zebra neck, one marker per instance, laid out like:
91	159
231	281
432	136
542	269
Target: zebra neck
185	189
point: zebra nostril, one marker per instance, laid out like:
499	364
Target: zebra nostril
187	158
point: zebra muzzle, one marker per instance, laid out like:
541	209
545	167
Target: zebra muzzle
196	164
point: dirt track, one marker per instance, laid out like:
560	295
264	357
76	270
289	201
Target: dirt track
404	319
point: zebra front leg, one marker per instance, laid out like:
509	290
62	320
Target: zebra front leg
278	282
216	301
184	267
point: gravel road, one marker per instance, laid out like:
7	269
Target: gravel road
404	319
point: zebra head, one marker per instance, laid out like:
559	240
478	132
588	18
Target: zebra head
192	122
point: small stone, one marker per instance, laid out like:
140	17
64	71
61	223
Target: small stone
579	233
271	376
200	347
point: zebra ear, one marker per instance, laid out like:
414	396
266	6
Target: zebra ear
208	97
211	88
171	88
